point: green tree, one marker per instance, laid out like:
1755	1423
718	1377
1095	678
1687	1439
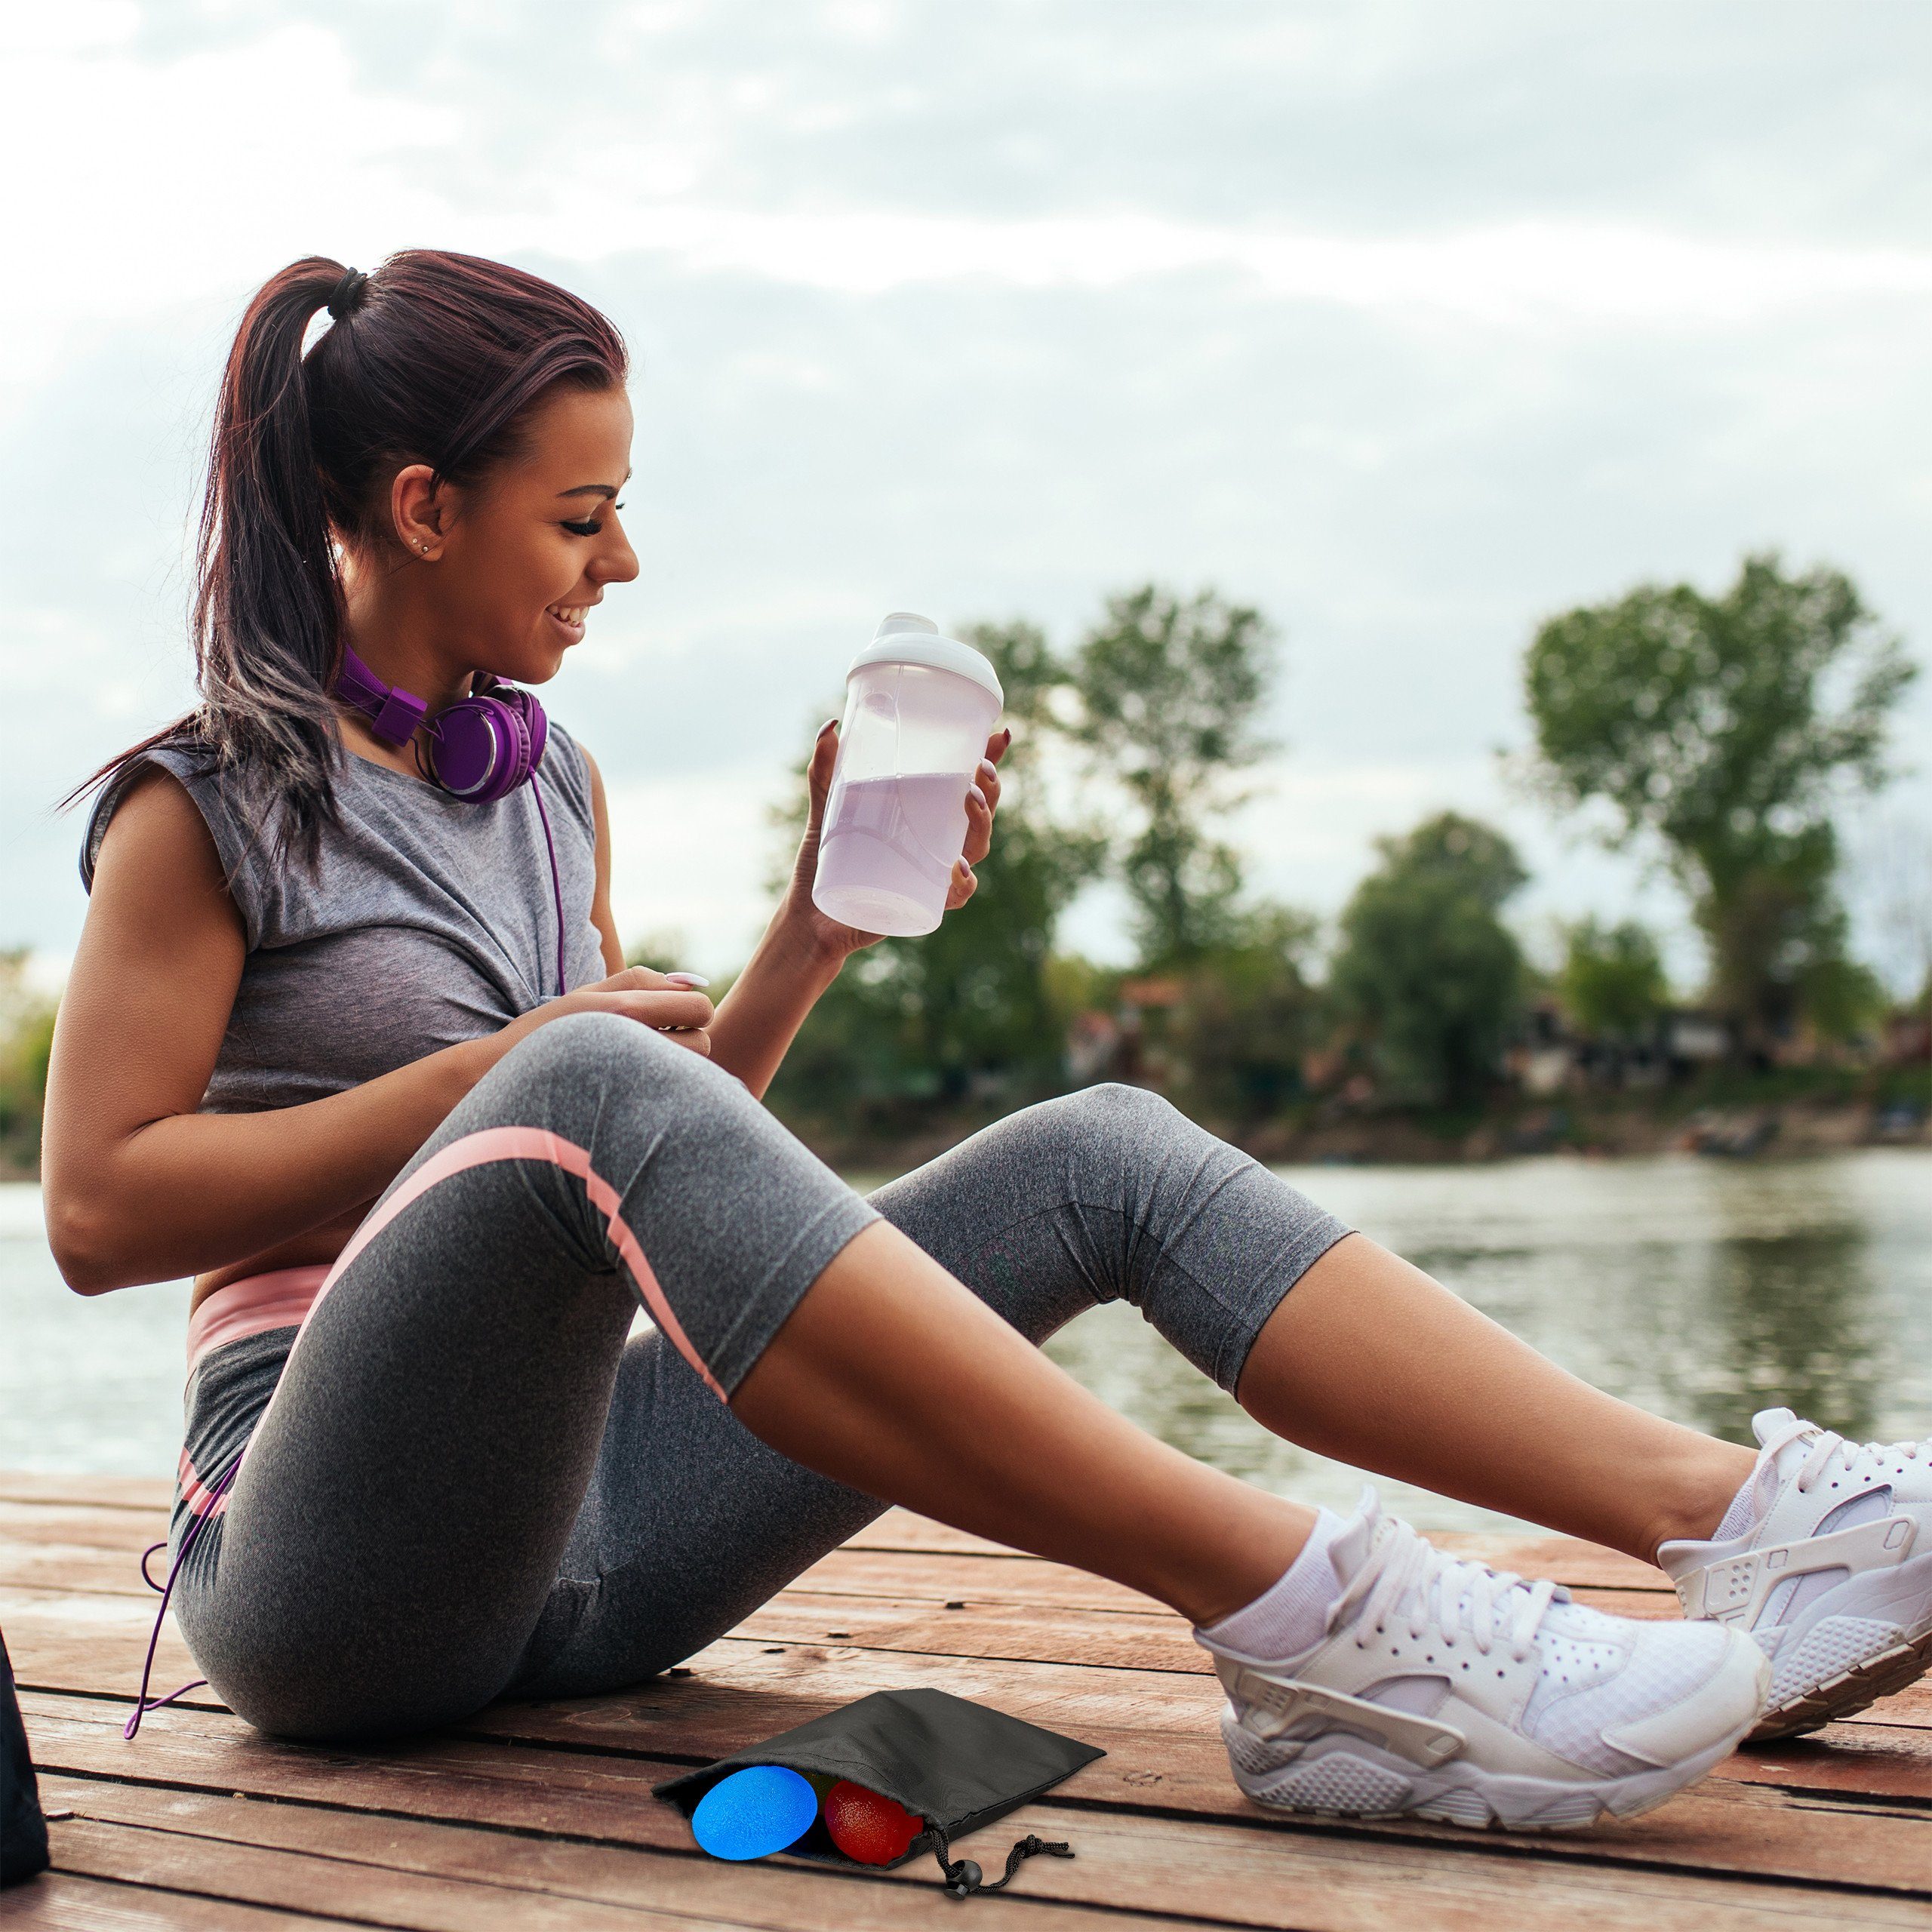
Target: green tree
1249	1012
1167	691
1612	983
26	1040
1426	969
1726	729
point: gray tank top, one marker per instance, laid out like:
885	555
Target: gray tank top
428	921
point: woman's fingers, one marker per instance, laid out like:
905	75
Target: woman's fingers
669	1012
643	979
961	887
979	826
988	779
818	772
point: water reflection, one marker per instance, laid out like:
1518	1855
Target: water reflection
1702	1291
1798	1311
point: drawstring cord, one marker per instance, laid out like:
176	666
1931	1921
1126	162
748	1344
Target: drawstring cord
963	1876
556	882
144	1703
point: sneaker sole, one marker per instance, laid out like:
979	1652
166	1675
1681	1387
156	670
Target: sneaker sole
1850	1691
1478	1800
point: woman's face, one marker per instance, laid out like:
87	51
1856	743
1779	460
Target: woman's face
528	553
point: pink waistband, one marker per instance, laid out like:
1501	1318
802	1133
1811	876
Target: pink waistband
278	1299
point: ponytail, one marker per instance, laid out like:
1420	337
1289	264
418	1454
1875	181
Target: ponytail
436	357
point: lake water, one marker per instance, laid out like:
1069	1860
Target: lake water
1700	1289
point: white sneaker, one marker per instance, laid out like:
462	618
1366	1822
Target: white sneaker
1833	1575
1450	1690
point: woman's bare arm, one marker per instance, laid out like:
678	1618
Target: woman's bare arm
139	1185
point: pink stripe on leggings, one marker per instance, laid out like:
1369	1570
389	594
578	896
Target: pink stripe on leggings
528	1143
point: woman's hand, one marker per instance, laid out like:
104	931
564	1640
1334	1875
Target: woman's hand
827	938
667	1001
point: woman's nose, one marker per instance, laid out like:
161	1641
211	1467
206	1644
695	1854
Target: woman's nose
617	564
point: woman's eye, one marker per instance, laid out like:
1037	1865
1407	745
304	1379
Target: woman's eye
584	529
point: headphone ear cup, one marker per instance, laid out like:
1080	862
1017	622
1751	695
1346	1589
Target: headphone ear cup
536	726
476	746
487	744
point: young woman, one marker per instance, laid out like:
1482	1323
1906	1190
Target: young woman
362	1054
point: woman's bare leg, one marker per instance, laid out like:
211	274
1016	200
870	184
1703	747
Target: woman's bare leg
892	1377
1371	1361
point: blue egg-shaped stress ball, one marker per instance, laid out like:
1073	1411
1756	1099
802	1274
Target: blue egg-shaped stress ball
755	1812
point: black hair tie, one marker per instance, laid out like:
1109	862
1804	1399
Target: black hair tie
346	296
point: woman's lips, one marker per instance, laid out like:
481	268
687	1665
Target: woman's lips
569	619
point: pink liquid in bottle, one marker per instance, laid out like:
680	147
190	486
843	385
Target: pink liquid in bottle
886	857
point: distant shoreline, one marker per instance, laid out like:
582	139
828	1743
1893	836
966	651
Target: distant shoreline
1611	1128
1597	1127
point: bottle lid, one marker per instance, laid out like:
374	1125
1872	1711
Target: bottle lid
903	637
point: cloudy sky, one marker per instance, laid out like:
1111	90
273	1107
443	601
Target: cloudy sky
1410	321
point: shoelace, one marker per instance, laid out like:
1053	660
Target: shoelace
1402	1565
1828	1448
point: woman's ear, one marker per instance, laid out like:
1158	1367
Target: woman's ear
420	512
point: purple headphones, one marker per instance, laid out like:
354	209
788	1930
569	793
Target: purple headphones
481	747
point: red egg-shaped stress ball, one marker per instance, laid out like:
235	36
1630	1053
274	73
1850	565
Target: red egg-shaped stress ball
868	1827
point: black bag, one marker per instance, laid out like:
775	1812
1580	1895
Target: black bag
22	1830
957	1764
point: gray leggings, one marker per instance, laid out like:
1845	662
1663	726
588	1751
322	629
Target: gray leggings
464	1481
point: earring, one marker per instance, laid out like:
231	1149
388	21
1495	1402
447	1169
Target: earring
424	547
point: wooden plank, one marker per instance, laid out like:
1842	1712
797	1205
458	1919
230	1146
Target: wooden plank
417	1873
1722	1827
73	1567
1136	1867
749	1687
99	1551
1564	1559
90	1525
61	1902
367	1893
103	1492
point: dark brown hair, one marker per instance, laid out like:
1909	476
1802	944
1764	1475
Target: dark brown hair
434	357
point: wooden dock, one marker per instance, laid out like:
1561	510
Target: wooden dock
537	1817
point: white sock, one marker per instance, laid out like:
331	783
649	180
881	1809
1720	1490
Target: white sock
1758	1492
1291	1615
1743	1512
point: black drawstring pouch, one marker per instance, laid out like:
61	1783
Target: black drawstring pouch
22	1830
957	1764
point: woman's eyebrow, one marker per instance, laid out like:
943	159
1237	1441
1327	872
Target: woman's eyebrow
606	490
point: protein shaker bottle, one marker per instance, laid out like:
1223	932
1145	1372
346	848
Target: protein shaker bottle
918	709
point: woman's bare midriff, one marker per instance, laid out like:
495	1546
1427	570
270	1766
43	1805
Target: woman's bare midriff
313	1247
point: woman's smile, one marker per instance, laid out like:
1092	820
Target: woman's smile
569	619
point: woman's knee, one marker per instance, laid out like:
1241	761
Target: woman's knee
1114	1121
589	1054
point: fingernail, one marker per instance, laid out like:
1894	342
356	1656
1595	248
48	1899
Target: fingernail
974	792
989	767
687	979
827	726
